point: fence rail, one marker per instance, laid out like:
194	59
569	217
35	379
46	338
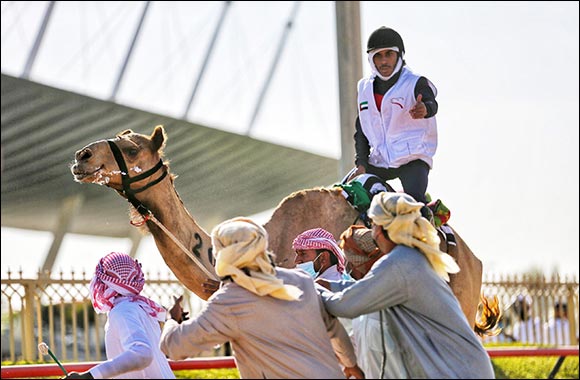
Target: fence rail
58	311
43	370
528	305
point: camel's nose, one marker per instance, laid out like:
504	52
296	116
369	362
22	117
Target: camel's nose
83	154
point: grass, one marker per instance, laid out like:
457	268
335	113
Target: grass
531	367
534	367
222	373
505	368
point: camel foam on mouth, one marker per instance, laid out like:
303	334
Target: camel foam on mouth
81	175
103	178
100	177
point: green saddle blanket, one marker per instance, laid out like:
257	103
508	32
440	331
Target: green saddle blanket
356	195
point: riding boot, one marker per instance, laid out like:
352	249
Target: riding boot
365	219
428	214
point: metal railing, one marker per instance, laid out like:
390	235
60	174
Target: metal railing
58	311
538	295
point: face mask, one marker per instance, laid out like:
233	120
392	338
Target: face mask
308	267
346	276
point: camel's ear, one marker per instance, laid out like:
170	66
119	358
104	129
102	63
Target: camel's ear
158	137
125	132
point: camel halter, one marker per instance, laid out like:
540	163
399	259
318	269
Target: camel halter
127	181
129	193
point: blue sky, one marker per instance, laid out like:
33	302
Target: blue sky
506	73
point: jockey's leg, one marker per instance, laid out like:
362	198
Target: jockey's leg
414	178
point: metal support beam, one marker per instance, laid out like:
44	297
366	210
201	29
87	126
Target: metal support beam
70	207
348	40
34	51
274	65
129	53
210	50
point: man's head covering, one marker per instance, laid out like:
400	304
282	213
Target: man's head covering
319	238
241	246
399	214
359	247
358	244
385	37
561	306
522	306
118	276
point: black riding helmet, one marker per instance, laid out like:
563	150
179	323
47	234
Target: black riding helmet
385	37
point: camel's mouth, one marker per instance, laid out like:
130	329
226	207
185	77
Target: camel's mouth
84	176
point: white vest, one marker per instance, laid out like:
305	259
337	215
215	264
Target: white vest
394	137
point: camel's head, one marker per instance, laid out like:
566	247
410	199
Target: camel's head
96	162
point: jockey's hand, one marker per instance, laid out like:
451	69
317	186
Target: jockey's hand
77	375
210	286
419	110
176	311
359	170
353	372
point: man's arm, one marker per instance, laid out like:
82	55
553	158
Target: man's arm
361	146
428	97
341	343
212	326
383	286
125	324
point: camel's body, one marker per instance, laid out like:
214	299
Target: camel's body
300	211
327	208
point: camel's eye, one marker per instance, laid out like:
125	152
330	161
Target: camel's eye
132	152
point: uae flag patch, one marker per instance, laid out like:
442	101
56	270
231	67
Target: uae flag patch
363	106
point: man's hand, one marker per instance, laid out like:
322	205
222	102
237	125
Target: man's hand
325	284
359	170
353	372
176	311
77	375
210	286
419	110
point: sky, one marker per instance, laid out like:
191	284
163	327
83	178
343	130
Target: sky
506	74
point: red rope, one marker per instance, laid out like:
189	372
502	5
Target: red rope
144	219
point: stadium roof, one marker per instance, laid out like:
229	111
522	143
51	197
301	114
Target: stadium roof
220	174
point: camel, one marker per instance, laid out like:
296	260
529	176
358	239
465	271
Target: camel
132	164
329	209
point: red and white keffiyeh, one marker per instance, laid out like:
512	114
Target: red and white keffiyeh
319	238
119	276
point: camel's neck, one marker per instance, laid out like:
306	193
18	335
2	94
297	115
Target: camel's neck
168	209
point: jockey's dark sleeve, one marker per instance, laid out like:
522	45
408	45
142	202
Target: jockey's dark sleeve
361	143
422	87
361	146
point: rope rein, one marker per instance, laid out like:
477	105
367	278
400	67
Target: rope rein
180	245
145	213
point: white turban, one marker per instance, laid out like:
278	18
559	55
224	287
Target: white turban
241	253
399	214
